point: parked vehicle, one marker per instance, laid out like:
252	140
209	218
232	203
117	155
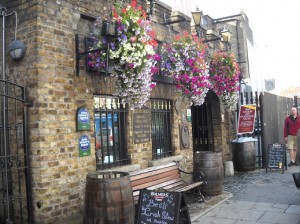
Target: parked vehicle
102	136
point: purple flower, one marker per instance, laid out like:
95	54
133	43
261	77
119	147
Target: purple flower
112	46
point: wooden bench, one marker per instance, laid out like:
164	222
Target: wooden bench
166	177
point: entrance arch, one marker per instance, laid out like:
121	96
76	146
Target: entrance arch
206	124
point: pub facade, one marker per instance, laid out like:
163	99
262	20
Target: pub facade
74	123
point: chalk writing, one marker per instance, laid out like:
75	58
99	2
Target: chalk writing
158	207
276	155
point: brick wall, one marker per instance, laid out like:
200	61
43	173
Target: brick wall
48	71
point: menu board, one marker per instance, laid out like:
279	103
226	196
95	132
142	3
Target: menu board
276	156
159	207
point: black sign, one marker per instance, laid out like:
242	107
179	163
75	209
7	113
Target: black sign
141	127
276	156
160	207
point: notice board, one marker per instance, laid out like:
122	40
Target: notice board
161	207
246	119
141	128
276	156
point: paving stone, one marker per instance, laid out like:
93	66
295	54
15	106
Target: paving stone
258	197
283	206
233	213
215	220
273	217
293	209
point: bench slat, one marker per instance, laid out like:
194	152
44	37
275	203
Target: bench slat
167	184
149	173
164	176
133	173
158	178
155	182
190	186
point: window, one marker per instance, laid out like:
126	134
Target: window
110	132
161	111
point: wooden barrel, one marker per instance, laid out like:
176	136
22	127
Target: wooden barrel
108	198
211	165
245	156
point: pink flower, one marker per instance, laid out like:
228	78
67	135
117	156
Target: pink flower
133	39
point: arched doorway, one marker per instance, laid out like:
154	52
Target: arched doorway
206	123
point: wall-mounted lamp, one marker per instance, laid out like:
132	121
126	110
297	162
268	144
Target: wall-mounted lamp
197	17
209	35
226	35
16	48
223	35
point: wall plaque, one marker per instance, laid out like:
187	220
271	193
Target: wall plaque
141	127
84	146
83	119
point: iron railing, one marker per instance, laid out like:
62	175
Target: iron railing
110	132
161	111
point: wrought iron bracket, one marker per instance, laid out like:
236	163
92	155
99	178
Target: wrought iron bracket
78	54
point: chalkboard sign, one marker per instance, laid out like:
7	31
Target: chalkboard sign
161	207
276	156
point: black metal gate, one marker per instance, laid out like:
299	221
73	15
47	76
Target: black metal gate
14	179
202	127
254	98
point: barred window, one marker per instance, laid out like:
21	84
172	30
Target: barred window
161	111
110	132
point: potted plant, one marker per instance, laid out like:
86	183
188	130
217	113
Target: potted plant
131	54
184	60
224	76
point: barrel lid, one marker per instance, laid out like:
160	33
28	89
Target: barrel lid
244	139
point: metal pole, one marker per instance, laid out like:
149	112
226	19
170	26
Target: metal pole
4	117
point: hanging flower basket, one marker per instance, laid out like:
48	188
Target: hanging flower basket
224	75
184	60
131	55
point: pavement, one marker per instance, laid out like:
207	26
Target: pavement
253	197
247	198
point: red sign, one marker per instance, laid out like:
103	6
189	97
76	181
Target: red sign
246	119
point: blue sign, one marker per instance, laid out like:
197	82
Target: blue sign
84	146
83	119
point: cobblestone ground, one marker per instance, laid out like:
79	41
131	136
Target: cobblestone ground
262	186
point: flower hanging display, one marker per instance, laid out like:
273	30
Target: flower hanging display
224	74
184	60
131	55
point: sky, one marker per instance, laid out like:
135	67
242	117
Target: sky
276	30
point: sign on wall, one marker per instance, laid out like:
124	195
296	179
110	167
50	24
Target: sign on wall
84	146
246	119
141	127
83	119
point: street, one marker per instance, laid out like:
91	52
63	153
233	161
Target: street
253	197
